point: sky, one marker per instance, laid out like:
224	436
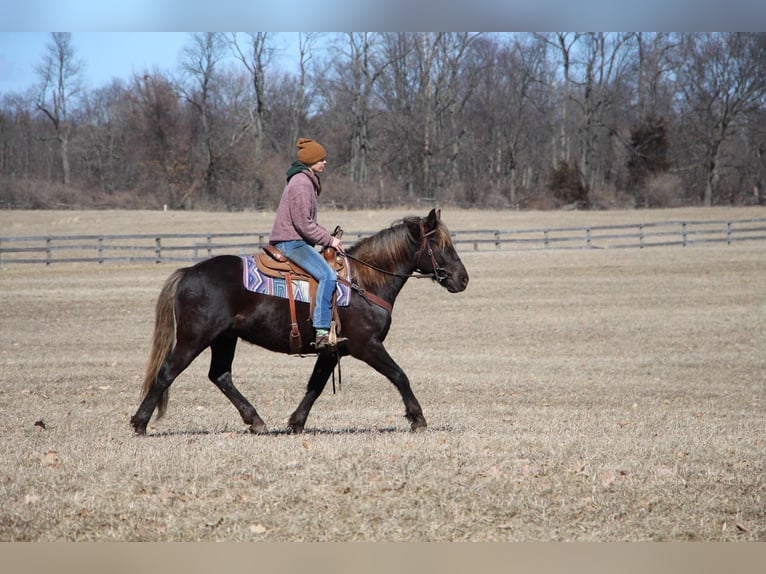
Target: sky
105	55
118	38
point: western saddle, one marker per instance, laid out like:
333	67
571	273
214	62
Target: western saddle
273	263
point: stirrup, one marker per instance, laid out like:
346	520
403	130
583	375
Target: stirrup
330	341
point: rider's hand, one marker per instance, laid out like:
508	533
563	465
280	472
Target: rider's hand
336	244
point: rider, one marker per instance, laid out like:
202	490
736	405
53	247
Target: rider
296	233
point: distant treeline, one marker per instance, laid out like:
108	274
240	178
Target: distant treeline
501	120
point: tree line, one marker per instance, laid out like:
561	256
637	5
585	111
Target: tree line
498	120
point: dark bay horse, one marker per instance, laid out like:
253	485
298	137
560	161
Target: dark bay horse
206	305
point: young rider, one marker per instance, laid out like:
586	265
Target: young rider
296	233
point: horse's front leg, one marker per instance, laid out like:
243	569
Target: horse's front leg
322	371
377	357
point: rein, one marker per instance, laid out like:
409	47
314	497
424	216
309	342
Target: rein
417	275
439	273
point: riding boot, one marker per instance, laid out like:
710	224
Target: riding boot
324	342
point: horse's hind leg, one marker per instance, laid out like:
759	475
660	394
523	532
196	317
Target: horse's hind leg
322	371
173	365
220	373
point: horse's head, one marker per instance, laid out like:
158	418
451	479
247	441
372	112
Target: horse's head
436	254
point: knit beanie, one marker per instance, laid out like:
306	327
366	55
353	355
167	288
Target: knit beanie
310	152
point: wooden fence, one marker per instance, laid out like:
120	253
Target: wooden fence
191	247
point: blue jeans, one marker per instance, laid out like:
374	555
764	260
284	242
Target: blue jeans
303	254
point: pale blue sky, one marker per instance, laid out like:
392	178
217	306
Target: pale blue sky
105	55
105	43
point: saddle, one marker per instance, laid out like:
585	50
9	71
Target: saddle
274	263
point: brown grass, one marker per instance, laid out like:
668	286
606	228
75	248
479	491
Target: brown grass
585	395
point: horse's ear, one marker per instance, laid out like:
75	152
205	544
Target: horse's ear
433	218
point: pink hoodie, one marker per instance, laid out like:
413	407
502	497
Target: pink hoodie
296	214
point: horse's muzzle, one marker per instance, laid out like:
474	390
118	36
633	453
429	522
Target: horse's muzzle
454	282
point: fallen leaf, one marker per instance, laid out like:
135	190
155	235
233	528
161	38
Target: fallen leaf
40	424
257	528
741	527
51	458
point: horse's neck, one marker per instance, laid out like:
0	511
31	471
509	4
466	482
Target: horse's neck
381	279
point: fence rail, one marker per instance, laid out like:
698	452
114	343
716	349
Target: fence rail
191	247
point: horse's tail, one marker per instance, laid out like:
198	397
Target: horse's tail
164	337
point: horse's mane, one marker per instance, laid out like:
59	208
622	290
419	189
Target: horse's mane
388	248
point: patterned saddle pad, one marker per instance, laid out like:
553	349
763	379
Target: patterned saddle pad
257	282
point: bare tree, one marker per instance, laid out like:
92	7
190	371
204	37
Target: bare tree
199	60
444	84
562	43
655	64
102	136
462	65
358	74
306	43
509	118
723	78
59	73
203	88
255	57
157	139
427	48
604	63
399	142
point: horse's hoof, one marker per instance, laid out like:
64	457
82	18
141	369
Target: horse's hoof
418	426
295	429
138	428
258	428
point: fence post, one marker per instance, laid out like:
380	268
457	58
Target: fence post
641	236
209	245
683	234
728	233
157	250
100	249
47	251
545	238
587	237
497	241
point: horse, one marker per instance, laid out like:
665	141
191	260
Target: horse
207	305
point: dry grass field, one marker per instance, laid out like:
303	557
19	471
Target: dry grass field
589	395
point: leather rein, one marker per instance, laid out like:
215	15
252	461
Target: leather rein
439	273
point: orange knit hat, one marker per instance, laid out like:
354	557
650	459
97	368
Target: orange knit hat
310	152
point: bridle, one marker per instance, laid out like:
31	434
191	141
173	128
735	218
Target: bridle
439	273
